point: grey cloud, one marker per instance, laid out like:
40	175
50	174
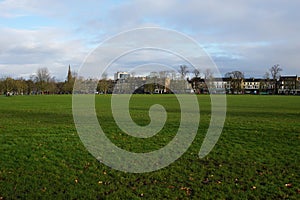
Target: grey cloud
240	35
239	23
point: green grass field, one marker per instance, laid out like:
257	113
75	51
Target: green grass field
257	156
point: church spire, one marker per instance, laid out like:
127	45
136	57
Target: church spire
69	78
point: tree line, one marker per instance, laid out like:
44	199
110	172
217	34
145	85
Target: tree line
43	83
270	79
40	83
234	79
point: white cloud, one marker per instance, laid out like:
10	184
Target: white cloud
17	8
23	51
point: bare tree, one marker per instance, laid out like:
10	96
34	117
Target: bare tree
132	74
196	80
162	74
275	73
208	74
267	75
103	84
235	75
196	72
208	78
42	79
236	81
183	70
42	74
264	85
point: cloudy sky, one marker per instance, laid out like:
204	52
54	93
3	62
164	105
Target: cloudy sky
249	36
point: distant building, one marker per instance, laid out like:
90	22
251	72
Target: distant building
251	85
289	85
155	83
162	85
121	75
266	86
69	77
220	85
215	86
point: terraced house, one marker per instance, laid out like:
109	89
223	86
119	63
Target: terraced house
251	85
289	85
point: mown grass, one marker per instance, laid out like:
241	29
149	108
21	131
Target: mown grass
257	156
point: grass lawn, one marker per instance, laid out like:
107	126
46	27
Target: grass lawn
256	157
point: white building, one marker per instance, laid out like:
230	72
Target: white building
252	85
121	75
